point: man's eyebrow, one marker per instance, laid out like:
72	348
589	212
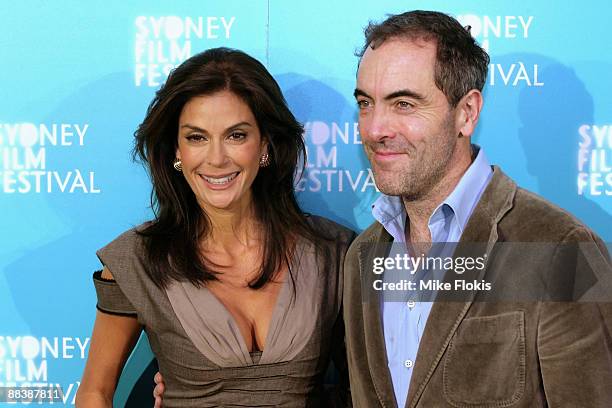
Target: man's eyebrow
397	94
199	129
404	93
359	92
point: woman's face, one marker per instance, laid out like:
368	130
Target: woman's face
219	145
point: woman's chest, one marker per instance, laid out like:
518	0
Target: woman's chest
251	310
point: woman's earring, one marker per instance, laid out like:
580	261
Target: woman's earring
264	161
178	165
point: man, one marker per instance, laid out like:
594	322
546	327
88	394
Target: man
419	87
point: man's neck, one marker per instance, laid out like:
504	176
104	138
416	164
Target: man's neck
420	210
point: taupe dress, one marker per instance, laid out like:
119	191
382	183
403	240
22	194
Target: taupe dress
199	347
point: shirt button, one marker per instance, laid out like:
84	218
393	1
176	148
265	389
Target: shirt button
411	304
408	363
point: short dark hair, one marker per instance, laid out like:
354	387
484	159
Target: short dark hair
172	238
461	64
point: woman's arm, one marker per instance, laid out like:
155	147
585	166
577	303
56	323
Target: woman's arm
112	341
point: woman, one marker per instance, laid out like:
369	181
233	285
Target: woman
238	291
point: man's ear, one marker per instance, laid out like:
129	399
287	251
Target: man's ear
468	112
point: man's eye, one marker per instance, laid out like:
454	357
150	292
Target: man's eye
404	105
362	104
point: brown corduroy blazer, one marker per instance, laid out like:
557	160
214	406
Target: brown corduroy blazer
477	354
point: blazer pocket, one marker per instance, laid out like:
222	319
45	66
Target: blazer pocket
485	362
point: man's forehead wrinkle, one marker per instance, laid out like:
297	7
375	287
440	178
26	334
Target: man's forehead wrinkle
379	75
399	67
378	72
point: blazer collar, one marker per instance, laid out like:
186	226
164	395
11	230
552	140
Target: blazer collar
376	242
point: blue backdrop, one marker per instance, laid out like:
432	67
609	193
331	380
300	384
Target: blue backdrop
77	78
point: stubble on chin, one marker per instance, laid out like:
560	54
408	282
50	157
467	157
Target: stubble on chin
418	178
408	186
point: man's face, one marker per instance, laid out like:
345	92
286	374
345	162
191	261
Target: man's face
406	123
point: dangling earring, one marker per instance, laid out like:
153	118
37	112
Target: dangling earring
264	161
178	165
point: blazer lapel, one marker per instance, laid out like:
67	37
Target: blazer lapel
378	245
446	316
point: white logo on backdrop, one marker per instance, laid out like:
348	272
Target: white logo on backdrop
162	43
595	160
324	171
24	362
24	166
491	31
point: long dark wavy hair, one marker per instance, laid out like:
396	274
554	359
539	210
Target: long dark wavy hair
172	240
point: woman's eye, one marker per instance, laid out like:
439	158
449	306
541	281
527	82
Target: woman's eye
237	136
196	137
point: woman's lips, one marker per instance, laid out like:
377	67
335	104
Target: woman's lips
220	182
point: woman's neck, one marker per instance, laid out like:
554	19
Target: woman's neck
233	227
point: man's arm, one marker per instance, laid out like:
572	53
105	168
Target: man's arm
575	353
574	340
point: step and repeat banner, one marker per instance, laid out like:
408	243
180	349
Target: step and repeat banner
77	78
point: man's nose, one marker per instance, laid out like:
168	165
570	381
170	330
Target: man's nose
375	125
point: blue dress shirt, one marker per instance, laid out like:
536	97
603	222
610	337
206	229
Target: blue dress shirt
404	322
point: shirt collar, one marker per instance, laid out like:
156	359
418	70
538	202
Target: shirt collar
390	212
466	194
386	207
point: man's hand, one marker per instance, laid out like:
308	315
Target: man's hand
158	391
